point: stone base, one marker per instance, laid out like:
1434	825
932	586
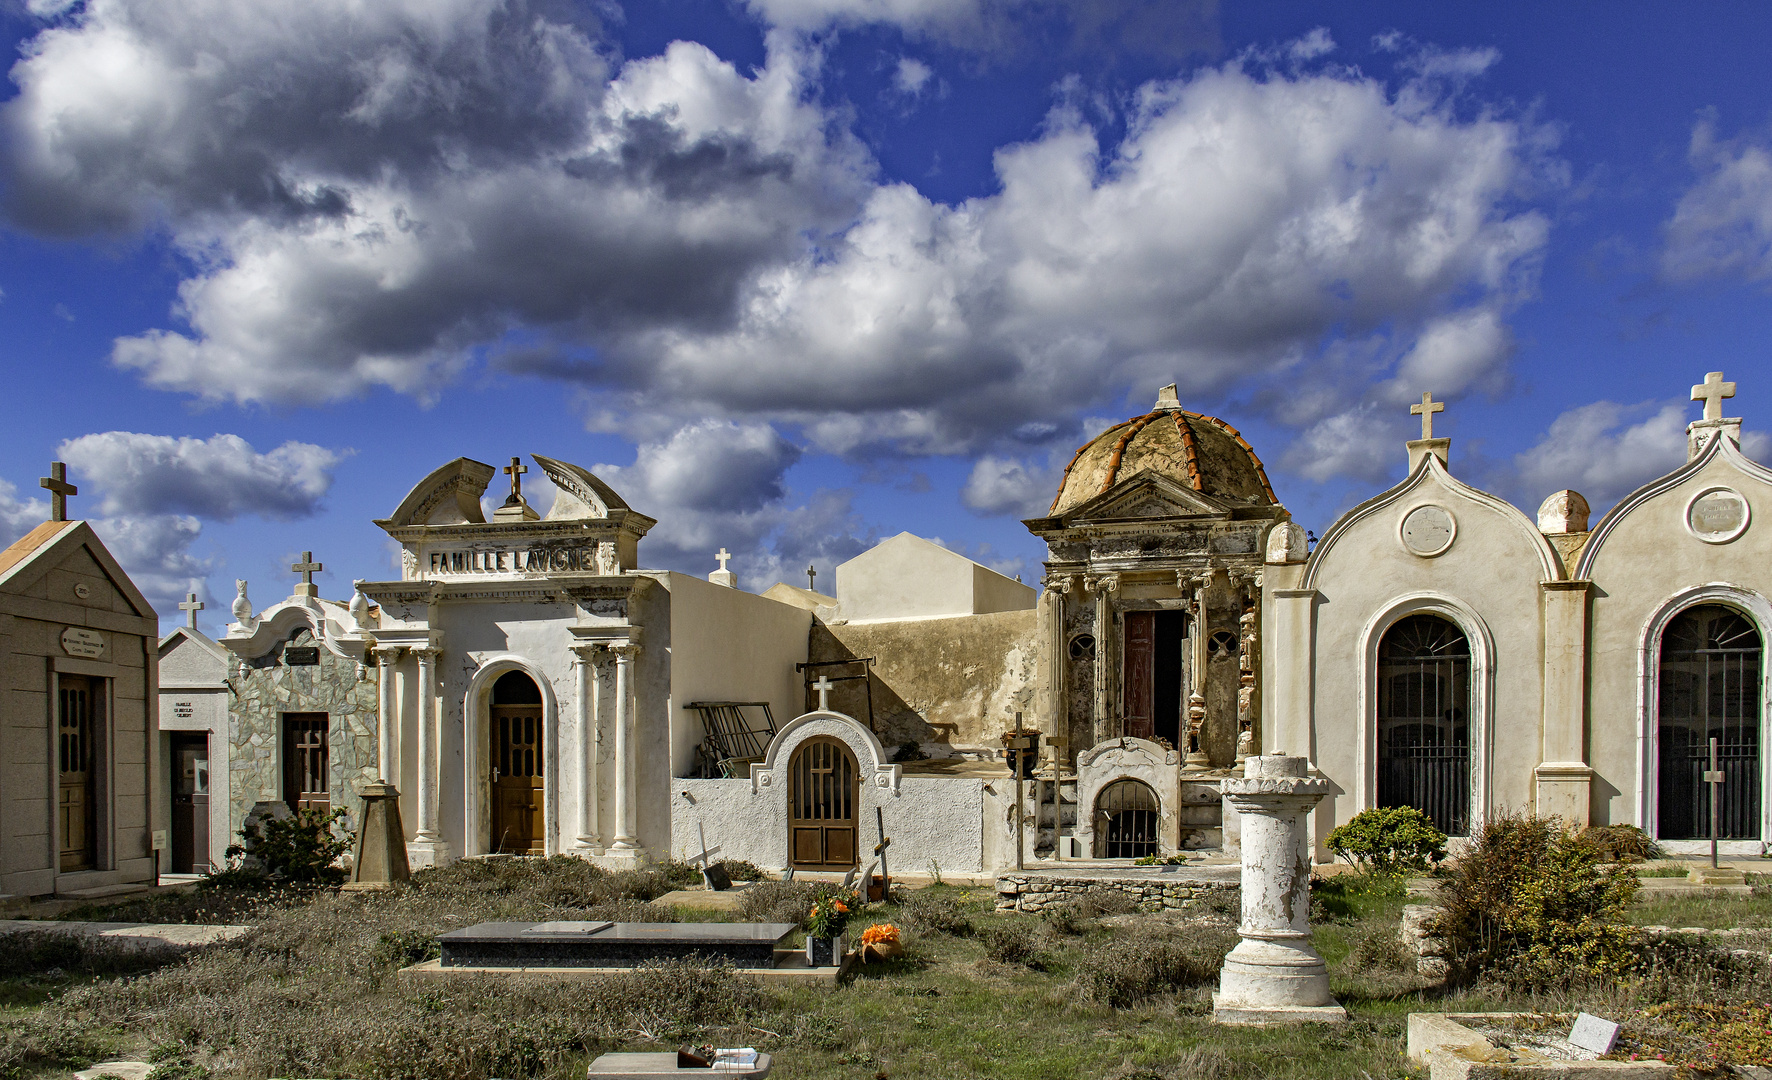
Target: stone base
426	854
1231	1012
1722	875
616	858
790	969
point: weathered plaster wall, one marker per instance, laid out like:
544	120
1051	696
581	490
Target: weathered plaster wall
956	681
729	645
909	577
1366	580
268	689
1645	565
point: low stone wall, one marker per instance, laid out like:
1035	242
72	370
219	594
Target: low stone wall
1036	891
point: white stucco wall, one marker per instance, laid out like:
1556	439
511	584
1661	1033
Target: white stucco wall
729	645
1646	566
909	577
1487	581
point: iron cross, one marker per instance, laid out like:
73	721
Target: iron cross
1714	777
1426	411
59	490
515	471
307	568
811	576
191	606
1712	391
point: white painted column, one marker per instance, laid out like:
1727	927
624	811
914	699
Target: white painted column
387	713
427	743
627	843
587	687
1564	779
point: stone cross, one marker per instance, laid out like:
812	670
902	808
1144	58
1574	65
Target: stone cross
307	568
59	490
1426	411
811	576
191	607
515	471
1712	391
824	687
723	555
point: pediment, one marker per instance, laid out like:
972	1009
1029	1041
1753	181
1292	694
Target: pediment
449	496
1147	496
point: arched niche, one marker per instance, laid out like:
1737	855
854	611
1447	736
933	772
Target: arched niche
476	736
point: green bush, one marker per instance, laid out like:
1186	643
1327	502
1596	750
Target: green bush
1529	905
302	847
1388	840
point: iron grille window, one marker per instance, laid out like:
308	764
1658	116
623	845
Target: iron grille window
1126	820
1424	756
1710	689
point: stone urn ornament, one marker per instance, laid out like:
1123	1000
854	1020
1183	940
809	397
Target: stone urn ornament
1274	976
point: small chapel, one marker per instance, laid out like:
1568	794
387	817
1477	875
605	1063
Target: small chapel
529	687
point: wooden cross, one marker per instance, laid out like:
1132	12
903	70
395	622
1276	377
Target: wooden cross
1714	777
515	471
824	687
707	853
1712	391
191	606
723	555
59	490
307	568
1426	411
880	851
811	576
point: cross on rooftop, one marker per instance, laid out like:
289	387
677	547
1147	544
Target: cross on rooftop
307	568
824	687
811	577
515	471
1426	411
191	607
1712	391
723	555
59	490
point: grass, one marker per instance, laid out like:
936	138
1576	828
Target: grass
978	994
1712	912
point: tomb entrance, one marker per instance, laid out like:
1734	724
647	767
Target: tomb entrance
516	752
1424	748
823	794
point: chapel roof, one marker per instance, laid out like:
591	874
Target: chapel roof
1199	451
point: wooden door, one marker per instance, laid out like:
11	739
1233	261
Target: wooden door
517	784
79	710
823	794
306	753
190	804
1138	695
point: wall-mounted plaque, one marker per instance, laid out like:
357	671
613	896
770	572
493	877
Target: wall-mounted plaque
1717	515
1428	530
301	655
79	641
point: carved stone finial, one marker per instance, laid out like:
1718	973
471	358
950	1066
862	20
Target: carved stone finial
1287	544
242	607
1563	512
359	603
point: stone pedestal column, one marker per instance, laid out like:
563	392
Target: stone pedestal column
428	847
627	840
1274	976
381	841
587	686
387	713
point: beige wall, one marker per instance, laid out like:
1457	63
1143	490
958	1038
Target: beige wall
1646	566
1488	581
908	577
956	681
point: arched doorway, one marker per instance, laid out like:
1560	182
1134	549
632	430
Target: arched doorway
823	792
515	743
1126	814
1424	745
1709	689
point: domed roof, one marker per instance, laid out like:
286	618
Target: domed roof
1200	452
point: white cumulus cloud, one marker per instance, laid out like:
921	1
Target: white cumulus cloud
1722	224
218	478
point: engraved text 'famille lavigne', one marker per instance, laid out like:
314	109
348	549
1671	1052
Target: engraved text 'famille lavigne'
575	559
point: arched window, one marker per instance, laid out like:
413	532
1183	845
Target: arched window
1424	746
1710	689
1126	820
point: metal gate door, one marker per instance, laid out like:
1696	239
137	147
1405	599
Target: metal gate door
1710	689
1424	754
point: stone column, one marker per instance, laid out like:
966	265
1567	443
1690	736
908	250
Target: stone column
627	842
587	686
1107	651
427	848
1274	976
1563	776
387	715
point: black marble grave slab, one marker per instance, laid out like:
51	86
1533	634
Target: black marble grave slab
611	945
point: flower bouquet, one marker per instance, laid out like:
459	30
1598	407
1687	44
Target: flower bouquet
825	921
880	942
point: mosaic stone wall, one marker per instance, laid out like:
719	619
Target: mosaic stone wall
270	688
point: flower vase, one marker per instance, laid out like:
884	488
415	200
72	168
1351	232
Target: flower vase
823	951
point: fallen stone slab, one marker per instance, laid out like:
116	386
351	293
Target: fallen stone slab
121	1070
142	935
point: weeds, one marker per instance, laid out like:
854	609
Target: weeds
777	902
935	911
1014	941
1137	967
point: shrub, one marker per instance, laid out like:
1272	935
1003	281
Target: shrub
743	870
1014	941
776	902
1529	904
1138	967
936	911
1621	843
1389	840
301	847
43	1040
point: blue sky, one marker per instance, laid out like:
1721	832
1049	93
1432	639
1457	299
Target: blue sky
795	275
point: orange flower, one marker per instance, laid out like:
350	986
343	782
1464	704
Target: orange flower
842	907
878	933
